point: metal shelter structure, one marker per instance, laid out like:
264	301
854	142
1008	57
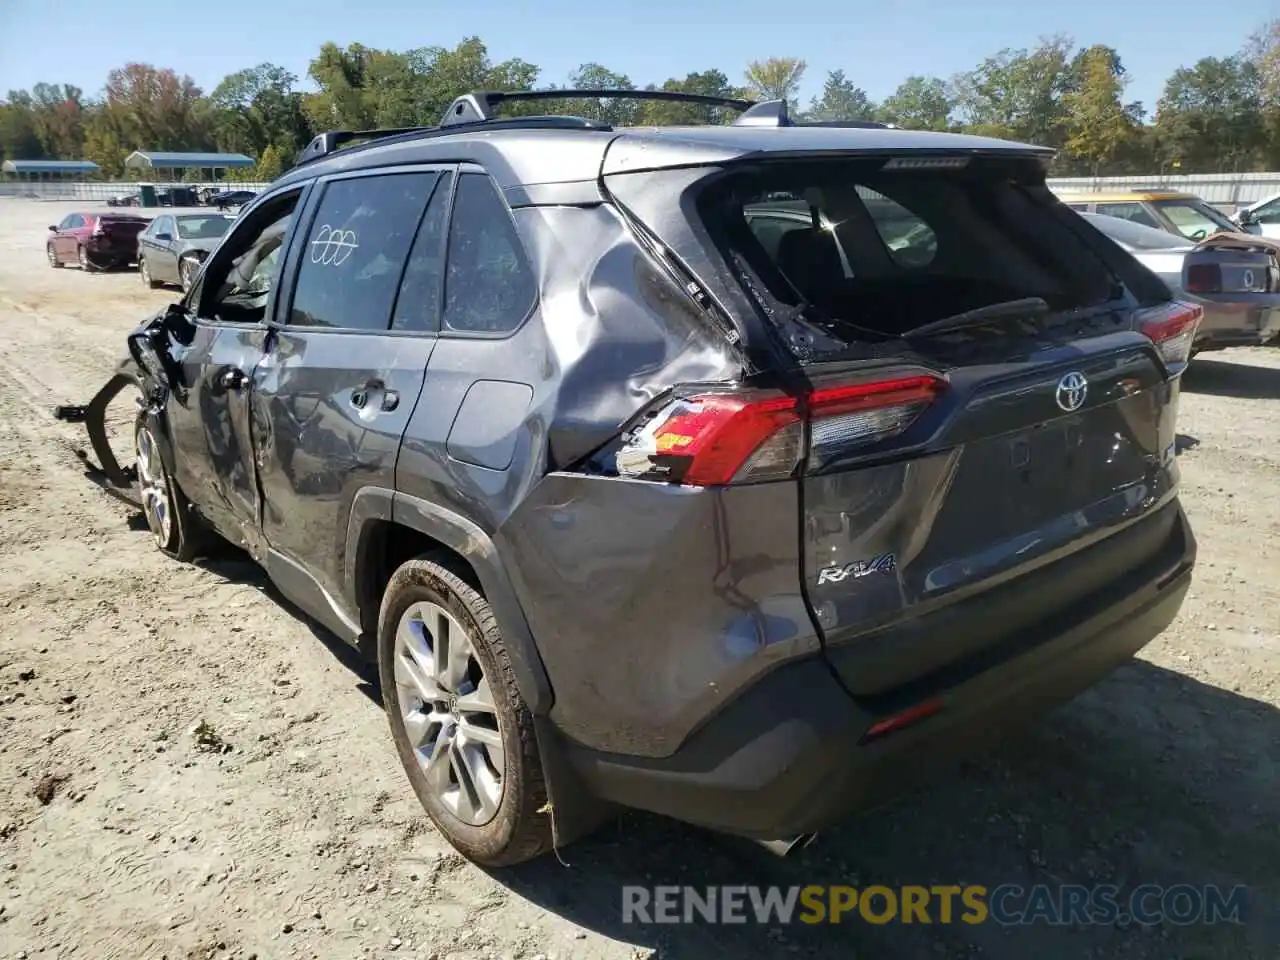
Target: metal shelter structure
27	171
169	166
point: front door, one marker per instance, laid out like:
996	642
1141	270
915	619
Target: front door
160	259
209	421
65	243
342	372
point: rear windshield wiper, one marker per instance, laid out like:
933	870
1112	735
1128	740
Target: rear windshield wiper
1027	307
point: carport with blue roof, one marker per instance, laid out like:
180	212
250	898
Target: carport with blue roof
166	165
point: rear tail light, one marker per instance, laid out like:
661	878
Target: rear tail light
720	438
98	229
1203	278
1172	328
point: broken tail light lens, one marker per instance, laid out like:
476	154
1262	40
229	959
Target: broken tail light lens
721	438
1172	328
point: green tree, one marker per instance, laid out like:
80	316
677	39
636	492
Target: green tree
271	163
256	107
919	103
1210	117
1018	94
841	99
614	111
18	137
1097	123
709	83
777	78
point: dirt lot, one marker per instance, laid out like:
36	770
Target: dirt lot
123	834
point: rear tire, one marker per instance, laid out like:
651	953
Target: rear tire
429	612
170	518
53	257
87	265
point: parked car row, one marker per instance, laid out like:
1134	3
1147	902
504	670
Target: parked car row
187	196
168	249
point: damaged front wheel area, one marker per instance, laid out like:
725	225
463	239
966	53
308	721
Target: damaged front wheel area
169	516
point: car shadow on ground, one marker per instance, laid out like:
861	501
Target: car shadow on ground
1152	777
1148	778
1221	379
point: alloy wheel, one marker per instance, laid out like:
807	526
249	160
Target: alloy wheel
449	714
49	252
84	259
186	271
157	503
144	271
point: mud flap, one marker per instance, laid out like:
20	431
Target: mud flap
118	481
574	810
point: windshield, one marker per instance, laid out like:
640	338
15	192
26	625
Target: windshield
202	228
1134	235
1194	219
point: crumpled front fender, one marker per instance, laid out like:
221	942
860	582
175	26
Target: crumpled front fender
108	472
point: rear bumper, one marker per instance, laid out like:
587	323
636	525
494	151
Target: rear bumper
784	758
1238	324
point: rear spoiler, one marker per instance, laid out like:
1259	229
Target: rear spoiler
1243	242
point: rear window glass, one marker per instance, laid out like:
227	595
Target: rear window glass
872	255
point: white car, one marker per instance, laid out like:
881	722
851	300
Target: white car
1262	219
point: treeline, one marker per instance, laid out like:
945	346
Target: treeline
1220	114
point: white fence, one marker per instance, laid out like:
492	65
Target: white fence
101	190
1228	190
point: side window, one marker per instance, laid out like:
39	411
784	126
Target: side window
356	249
164	225
66	222
1130	211
418	302
910	241
489	286
236	286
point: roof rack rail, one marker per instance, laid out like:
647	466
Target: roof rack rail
479	105
324	144
850	124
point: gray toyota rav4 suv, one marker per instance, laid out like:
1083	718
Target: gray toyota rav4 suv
741	473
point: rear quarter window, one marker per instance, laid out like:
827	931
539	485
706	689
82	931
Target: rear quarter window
489	285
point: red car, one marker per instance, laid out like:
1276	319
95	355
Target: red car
96	241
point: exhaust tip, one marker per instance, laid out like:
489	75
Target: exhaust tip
783	848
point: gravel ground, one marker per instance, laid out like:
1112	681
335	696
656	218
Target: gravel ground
189	768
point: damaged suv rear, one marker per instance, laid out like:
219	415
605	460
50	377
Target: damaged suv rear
734	473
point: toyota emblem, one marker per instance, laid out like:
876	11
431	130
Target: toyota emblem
1072	389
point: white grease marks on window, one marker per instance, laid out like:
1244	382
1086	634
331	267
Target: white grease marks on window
331	248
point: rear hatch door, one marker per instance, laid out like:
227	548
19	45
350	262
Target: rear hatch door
968	477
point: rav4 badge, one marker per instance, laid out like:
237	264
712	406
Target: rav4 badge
884	563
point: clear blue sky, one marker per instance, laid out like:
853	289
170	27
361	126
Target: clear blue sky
876	44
